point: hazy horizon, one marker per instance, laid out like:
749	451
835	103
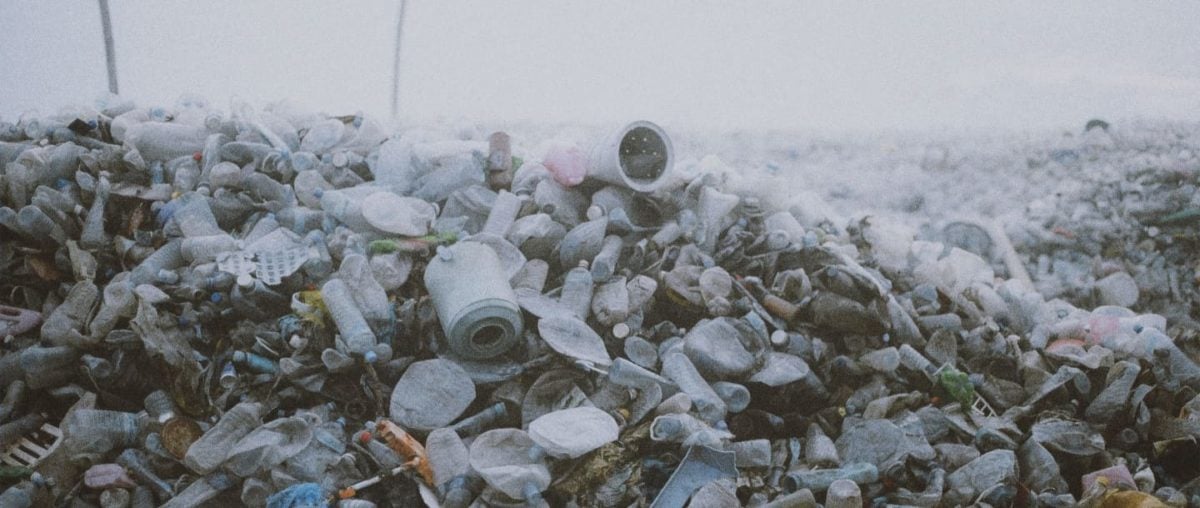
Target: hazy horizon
770	65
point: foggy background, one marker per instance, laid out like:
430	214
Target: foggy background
829	66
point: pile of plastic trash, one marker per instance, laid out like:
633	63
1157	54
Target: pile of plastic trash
281	308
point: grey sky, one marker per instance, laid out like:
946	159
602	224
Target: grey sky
809	65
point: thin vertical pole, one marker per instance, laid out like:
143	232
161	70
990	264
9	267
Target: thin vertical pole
110	54
396	62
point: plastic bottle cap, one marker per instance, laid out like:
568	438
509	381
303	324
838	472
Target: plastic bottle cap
215	298
370	356
779	338
620	330
197	156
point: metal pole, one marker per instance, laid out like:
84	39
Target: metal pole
396	63
110	54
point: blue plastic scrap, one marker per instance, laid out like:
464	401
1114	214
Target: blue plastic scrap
301	495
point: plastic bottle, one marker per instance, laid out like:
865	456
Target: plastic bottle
820	450
843	493
94	236
482	421
345	206
35	224
532	275
65	325
499	161
135	461
306	186
583	242
577	290
604	265
202	490
208	452
349	320
503	214
98	431
165	141
368	295
678	368
322	136
820	480
735	396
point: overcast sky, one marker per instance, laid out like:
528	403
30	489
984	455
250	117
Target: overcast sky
826	66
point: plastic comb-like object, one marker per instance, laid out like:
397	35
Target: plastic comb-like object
33	447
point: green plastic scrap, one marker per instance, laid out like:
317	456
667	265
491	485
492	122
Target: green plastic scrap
958	386
1181	217
10	473
412	244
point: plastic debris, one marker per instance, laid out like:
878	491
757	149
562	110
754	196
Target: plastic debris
284	308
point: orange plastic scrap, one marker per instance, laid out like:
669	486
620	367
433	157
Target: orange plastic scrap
408	447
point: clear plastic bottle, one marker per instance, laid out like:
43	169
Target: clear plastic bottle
204	249
604	265
323	136
161	141
137	463
208	452
99	431
119	302
41	367
65	326
306	184
35	224
94	236
202	490
610	303
678	368
503	214
368	295
194	216
350	322
735	396
320	262
577	290
583	242
301	219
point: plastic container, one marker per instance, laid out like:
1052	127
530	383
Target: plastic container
475	304
638	156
